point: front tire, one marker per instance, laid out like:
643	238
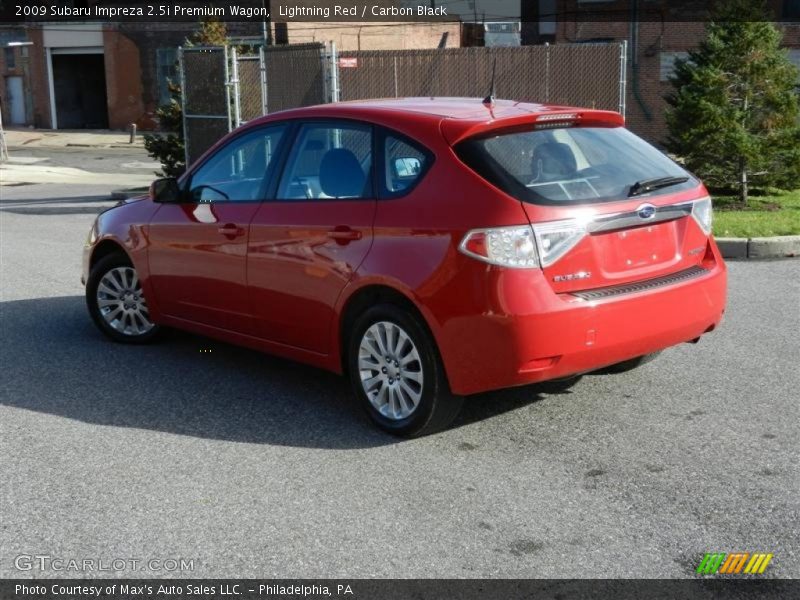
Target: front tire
397	374
116	303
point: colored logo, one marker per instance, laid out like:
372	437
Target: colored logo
646	211
736	563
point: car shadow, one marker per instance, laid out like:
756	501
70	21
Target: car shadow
54	361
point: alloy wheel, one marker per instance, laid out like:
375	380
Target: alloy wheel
121	302
390	369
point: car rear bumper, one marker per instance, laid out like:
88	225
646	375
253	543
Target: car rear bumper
541	335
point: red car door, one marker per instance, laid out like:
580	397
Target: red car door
306	243
198	248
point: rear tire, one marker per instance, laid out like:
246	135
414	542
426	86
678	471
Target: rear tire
116	303
630	365
397	374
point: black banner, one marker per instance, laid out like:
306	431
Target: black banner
370	11
359	589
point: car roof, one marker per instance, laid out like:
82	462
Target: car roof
459	117
457	108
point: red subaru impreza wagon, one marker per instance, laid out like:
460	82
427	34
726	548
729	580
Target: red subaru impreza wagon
428	248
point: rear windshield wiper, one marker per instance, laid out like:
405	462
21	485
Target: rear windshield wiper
648	185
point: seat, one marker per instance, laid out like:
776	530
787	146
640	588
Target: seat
340	174
553	161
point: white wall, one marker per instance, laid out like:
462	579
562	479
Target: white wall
72	35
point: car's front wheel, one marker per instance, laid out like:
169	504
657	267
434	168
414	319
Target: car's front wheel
116	303
397	374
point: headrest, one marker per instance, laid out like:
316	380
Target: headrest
340	174
553	160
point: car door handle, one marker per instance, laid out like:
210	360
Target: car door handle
343	233
231	230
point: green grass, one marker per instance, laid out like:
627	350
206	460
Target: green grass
775	213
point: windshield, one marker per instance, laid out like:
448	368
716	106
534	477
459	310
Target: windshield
571	165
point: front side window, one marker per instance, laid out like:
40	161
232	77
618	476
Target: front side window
404	165
578	165
329	160
238	171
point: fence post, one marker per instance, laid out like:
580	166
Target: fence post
623	76
263	68
228	86
331	72
395	78
547	71
182	69
234	82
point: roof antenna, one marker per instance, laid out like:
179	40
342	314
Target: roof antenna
489	100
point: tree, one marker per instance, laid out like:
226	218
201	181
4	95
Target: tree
734	108
168	146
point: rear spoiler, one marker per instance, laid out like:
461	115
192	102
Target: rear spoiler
458	130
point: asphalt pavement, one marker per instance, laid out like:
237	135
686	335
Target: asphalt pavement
74	167
252	466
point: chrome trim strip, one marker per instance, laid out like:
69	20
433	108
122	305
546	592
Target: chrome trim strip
624	220
640	286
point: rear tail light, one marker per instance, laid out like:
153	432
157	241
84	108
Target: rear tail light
541	245
523	246
703	214
513	247
556	238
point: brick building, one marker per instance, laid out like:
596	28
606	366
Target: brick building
657	32
15	97
99	75
371	36
83	75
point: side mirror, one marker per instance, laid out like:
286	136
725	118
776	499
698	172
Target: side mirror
165	190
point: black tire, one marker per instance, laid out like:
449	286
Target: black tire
437	406
630	365
104	266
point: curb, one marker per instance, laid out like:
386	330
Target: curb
125	194
106	145
124	146
763	247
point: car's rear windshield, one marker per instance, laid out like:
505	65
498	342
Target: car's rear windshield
572	165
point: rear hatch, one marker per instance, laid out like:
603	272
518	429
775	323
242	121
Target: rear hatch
607	208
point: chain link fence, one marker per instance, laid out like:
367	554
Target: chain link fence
576	74
206	98
251	78
295	76
223	90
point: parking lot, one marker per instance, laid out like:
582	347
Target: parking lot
257	467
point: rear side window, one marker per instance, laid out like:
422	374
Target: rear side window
405	163
580	165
